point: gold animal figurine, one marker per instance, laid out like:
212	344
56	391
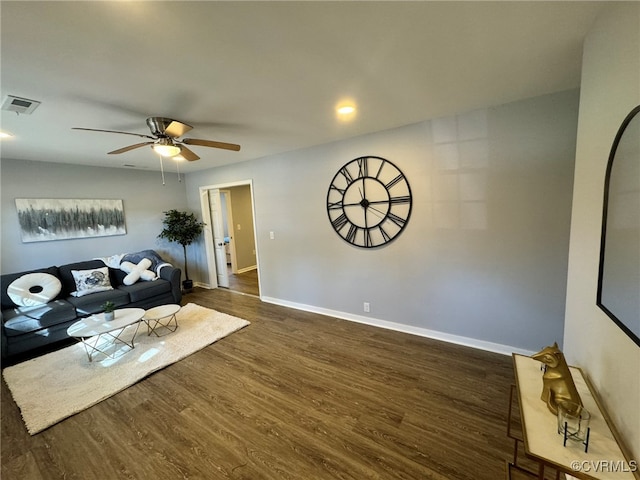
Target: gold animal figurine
557	382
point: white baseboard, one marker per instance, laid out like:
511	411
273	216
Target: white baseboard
399	327
422	332
247	269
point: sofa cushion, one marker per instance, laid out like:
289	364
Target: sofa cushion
20	320
7	279
46	336
143	290
93	302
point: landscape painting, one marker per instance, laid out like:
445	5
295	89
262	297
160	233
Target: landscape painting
46	219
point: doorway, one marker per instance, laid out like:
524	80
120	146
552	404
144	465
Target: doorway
230	240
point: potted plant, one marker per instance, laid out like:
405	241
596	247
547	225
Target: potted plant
108	308
183	228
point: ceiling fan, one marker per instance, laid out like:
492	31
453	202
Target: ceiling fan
164	139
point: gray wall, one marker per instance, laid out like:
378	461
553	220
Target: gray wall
144	198
610	89
484	254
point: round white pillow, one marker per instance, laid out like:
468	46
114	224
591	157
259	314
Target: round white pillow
34	289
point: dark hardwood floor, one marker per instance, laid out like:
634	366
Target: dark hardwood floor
294	395
246	282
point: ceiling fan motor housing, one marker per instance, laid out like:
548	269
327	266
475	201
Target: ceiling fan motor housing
167	127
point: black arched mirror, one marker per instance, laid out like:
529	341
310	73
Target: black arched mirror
619	275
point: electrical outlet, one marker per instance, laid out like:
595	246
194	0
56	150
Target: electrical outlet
367	307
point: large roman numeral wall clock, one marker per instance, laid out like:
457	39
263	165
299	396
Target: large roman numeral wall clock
369	202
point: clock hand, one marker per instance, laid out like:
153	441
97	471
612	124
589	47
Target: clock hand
366	224
377	212
364	189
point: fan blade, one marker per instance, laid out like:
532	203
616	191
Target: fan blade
130	147
177	129
188	154
113	131
211	143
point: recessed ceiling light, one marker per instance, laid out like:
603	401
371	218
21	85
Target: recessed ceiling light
346	109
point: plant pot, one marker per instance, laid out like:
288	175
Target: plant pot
187	286
108	316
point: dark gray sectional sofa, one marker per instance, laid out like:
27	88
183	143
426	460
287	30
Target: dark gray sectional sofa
28	328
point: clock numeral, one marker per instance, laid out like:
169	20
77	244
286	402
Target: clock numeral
340	222
363	167
367	238
394	181
397	220
385	235
380	169
335	206
398	200
339	190
345	173
351	234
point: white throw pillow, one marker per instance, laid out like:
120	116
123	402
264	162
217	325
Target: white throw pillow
136	272
34	289
91	281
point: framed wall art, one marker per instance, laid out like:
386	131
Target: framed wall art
47	219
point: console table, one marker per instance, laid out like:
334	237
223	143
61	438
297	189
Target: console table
543	444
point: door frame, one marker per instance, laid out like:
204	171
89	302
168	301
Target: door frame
208	229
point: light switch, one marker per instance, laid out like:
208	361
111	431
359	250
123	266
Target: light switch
271	235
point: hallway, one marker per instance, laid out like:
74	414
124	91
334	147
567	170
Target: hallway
246	282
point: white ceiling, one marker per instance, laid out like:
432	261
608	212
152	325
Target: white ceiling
267	75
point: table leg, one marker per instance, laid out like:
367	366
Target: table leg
116	338
91	350
157	323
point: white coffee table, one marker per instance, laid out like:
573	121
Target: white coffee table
96	333
162	316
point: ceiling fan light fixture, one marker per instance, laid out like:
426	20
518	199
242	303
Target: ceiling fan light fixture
166	148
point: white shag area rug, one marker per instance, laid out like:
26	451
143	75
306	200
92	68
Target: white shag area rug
55	386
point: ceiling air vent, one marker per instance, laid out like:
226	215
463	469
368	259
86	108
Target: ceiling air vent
19	105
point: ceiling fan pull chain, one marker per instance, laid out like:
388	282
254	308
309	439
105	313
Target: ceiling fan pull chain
162	169
178	168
